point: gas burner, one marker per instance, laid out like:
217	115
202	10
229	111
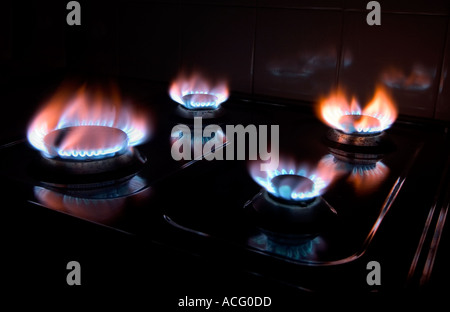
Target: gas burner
358	132
338	113
300	217
291	197
87	124
293	182
358	148
87	138
198	97
86	156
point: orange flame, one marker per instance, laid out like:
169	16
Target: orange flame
87	108
378	115
104	209
419	78
98	210
367	180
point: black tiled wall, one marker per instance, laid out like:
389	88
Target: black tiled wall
404	54
285	49
443	104
149	40
219	40
297	52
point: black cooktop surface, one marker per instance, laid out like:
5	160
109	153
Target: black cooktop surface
385	210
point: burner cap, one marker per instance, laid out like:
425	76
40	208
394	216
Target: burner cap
81	143
290	187
200	101
371	124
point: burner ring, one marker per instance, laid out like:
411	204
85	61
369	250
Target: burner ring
90	166
297	218
85	143
358	148
74	174
205	113
356	158
355	139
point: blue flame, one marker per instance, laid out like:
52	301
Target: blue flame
319	178
200	100
90	154
291	249
285	191
210	95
